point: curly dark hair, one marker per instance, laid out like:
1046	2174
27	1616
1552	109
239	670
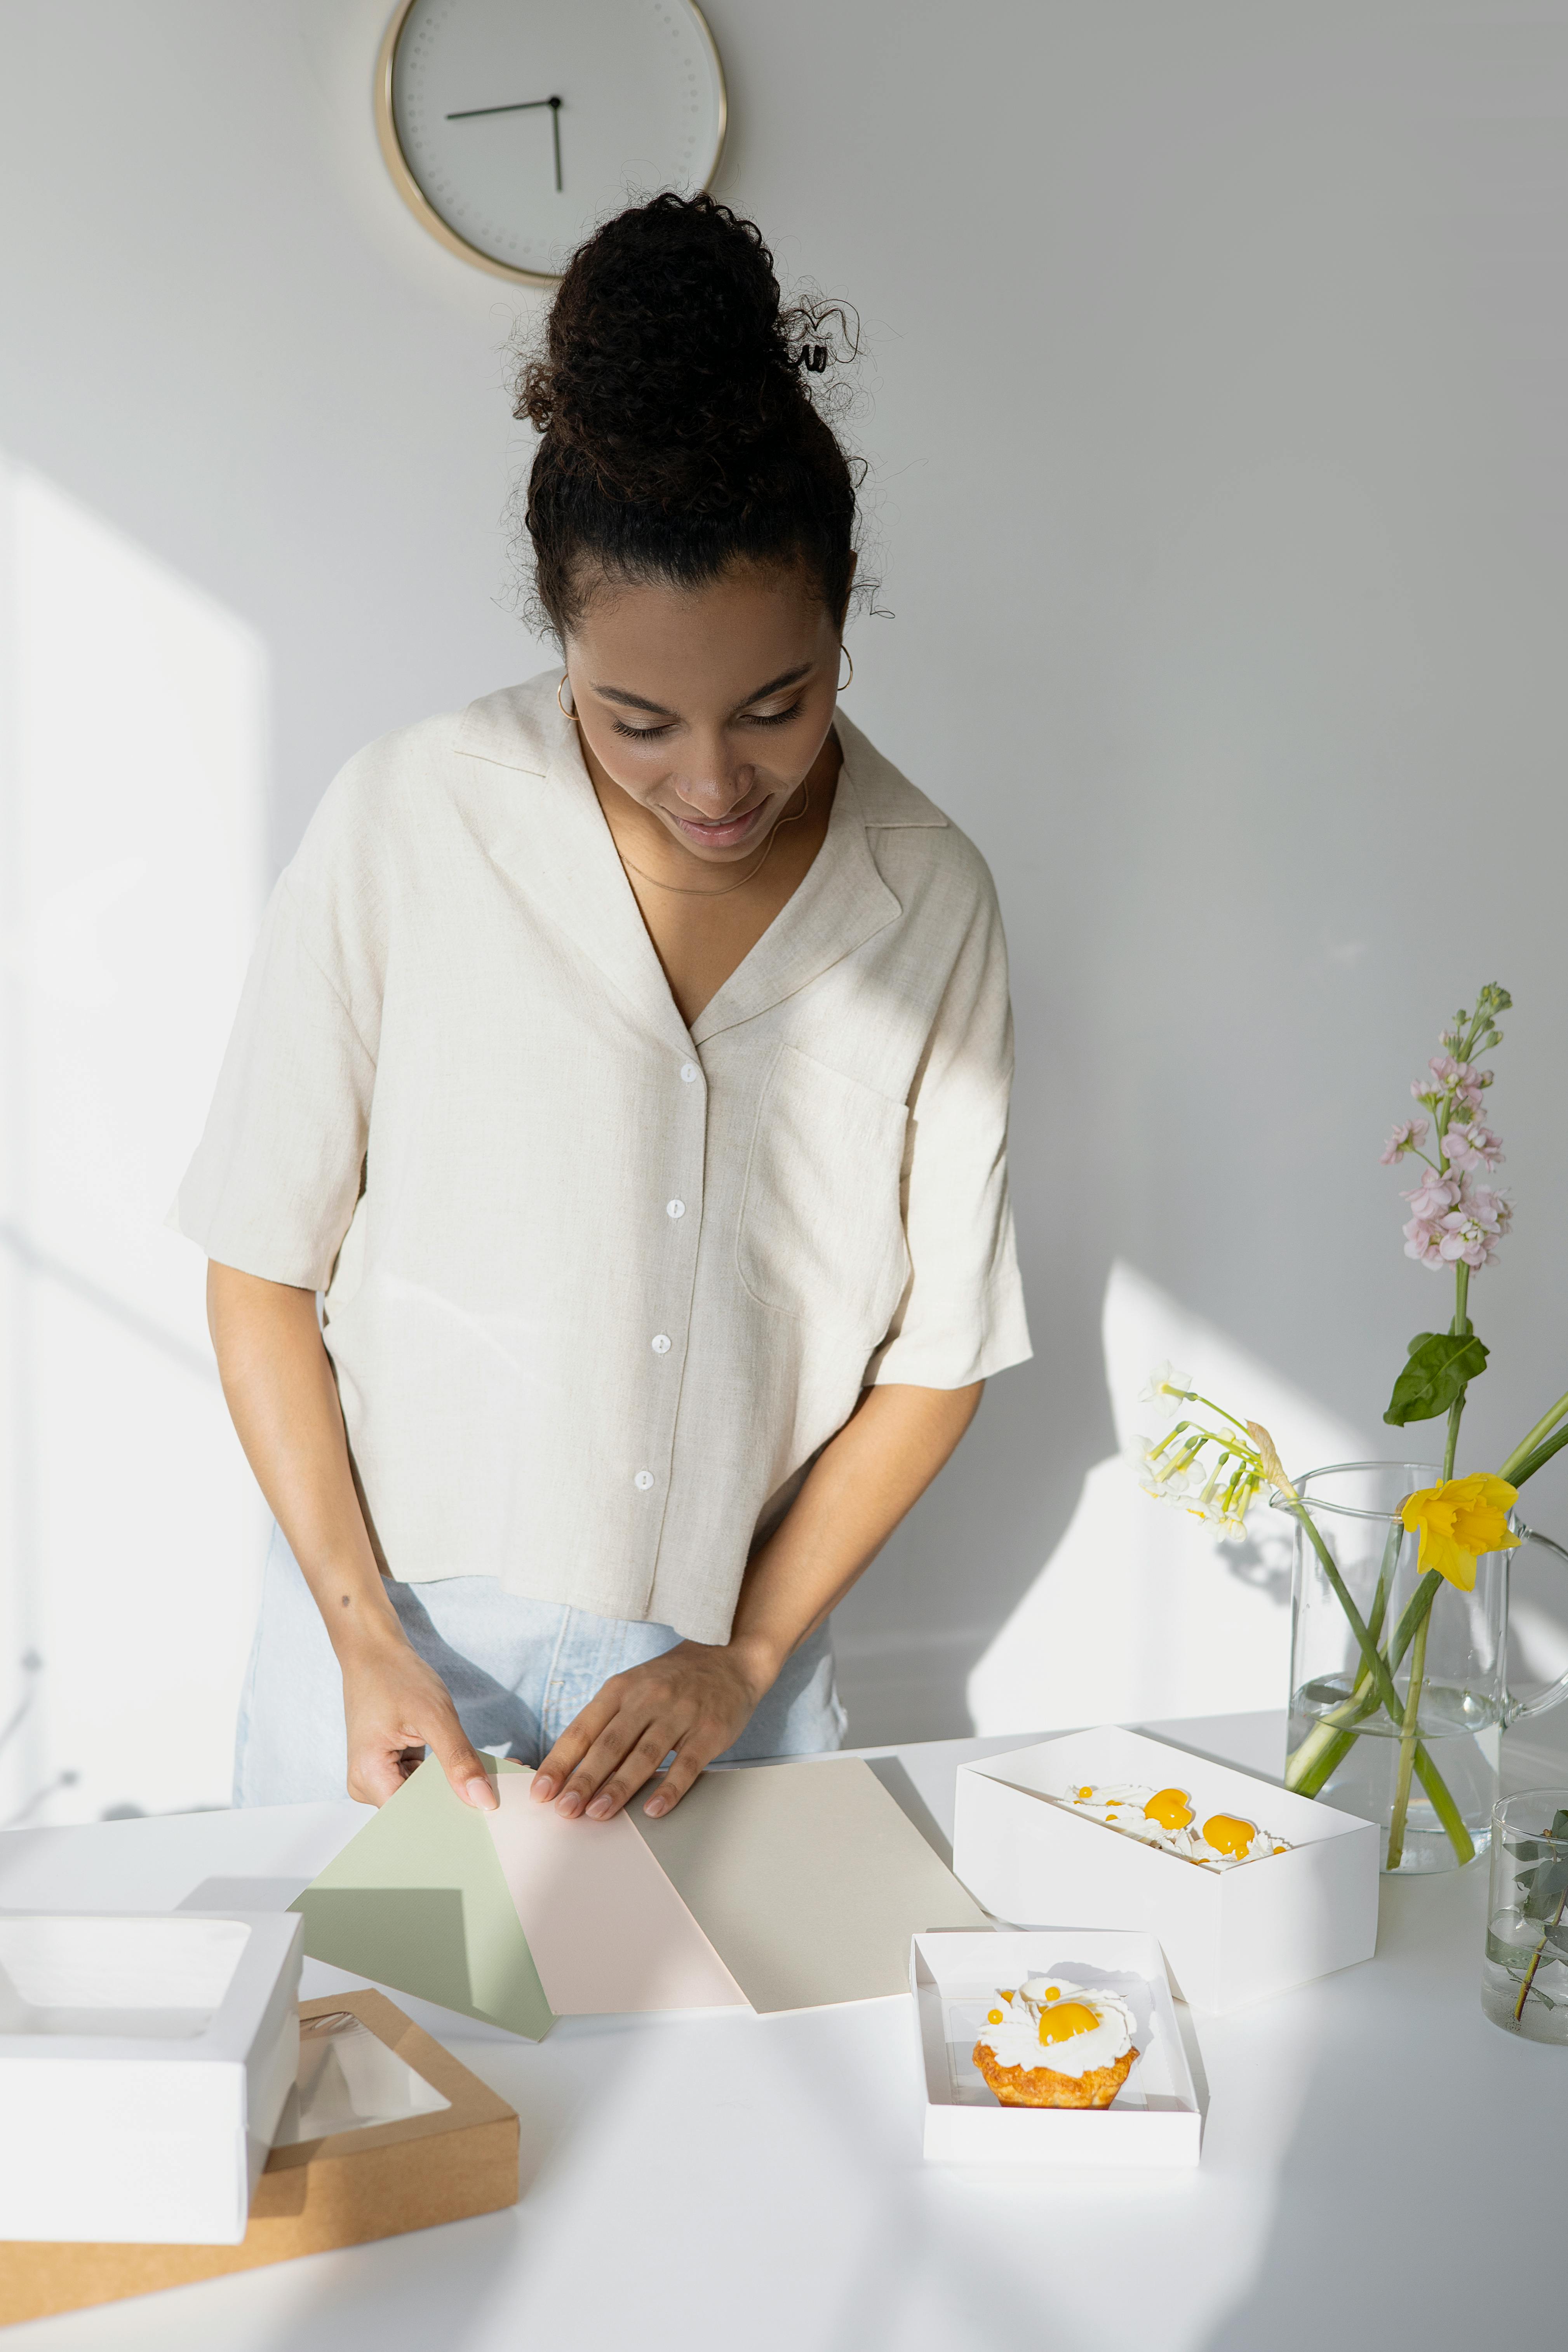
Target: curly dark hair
677	432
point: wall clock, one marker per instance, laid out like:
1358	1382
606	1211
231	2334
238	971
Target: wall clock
511	127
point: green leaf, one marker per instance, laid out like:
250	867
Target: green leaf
1442	1365
1548	1886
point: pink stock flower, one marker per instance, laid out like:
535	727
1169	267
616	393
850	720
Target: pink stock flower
1471	1147
1472	1230
1432	1198
1422	1241
1493	1208
1454	1222
1462	1080
1408	1136
1466	1238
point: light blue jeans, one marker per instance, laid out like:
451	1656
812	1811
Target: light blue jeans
518	1672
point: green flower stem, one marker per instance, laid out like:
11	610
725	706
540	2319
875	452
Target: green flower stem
1443	1805
1313	1764
1461	1329
1416	1609
1311	1767
1319	1755
1407	1748
1536	1460
1555	1921
1431	1780
1375	1665
1396	1819
1317	1759
1514	1467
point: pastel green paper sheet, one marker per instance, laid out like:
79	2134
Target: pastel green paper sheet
416	1901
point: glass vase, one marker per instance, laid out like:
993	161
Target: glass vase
1345	1737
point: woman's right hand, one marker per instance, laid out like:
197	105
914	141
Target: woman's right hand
395	1706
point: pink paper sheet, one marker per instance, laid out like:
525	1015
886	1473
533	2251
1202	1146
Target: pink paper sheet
606	1929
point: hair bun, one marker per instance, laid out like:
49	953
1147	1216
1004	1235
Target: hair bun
668	357
676	428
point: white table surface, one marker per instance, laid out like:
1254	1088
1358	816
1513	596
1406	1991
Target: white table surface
1380	2165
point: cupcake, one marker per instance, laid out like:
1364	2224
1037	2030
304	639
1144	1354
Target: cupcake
1053	2043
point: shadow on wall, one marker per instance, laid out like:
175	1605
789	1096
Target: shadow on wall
1140	1612
132	776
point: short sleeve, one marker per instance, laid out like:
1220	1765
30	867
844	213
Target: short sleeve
277	1174
961	1316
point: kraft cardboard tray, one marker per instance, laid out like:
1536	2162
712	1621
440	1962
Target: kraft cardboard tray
440	2146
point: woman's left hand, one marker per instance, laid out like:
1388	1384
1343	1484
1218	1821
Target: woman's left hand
696	1699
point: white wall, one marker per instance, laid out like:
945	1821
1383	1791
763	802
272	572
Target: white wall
1215	400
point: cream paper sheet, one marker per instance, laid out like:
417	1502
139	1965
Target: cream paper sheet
807	1878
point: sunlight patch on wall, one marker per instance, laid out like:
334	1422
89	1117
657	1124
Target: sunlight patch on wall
132	781
1139	1613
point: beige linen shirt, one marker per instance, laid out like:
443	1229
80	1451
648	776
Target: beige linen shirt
598	1285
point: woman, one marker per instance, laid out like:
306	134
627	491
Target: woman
626	1060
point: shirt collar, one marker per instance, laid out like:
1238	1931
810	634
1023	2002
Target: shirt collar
557	847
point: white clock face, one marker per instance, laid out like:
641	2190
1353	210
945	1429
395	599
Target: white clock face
523	123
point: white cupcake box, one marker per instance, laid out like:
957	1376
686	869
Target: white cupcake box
143	2067
1155	2118
1231	1936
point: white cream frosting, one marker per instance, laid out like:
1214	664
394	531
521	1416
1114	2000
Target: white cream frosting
1013	2024
1154	1817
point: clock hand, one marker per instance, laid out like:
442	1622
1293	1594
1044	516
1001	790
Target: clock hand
521	106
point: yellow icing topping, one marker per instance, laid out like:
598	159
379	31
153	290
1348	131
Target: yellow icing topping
1071	2018
993	2017
1226	1834
1170	1809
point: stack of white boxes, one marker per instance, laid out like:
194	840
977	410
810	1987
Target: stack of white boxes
145	2063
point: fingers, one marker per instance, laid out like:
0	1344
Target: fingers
691	1761
394	1711
463	1768
376	1775
693	1701
611	1773
574	1743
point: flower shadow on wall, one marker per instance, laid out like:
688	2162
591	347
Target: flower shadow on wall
1141	1615
132	781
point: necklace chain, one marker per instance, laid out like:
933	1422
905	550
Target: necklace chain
684	890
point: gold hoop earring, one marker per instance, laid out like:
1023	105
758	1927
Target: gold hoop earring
565	712
849	681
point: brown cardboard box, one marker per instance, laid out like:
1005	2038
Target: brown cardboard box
342	2191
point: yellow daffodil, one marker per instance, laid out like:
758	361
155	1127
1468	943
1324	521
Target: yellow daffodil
1459	1520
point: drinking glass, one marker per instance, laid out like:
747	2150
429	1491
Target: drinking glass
1524	1977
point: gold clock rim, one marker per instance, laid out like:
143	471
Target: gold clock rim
419	203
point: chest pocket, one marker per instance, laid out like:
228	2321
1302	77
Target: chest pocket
821	1232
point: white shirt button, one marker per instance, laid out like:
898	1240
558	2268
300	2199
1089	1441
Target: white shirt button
643	1480
661	1343
675	1208
687	1074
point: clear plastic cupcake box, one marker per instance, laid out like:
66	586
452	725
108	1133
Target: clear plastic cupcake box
145	2063
955	1977
1230	1936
